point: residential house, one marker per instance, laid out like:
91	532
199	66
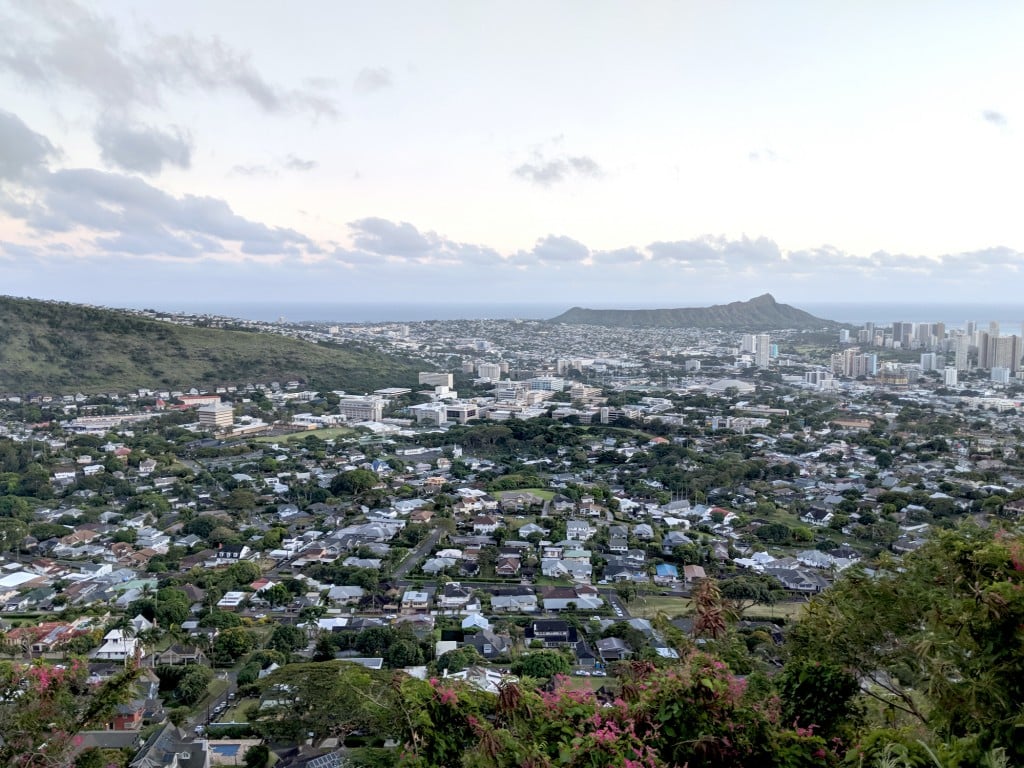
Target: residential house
345	595
613	649
579	530
118	646
514	600
455	597
553	633
414	601
507	566
233	553
666	574
485	524
489	644
693	574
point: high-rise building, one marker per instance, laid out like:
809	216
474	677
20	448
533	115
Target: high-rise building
929	361
763	350
490	371
864	365
949	377
1004	352
361	407
748	343
961	344
216	415
1000	375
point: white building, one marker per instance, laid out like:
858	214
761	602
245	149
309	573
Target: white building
434	379
490	371
361	407
763	350
216	415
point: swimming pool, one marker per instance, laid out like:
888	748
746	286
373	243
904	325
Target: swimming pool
225	750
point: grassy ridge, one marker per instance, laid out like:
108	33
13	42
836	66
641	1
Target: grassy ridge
53	347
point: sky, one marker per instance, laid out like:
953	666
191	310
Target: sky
585	153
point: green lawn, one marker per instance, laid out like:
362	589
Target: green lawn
330	433
543	493
650	606
236	712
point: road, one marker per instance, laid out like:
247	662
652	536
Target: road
417	555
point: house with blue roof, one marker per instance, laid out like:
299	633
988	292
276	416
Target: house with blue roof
664	573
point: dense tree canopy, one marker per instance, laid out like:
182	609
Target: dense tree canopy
938	639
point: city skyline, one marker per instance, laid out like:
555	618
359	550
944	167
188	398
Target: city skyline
604	154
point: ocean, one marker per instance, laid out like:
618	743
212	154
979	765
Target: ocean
1009	316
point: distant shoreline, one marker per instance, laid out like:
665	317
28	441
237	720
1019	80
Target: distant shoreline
1009	316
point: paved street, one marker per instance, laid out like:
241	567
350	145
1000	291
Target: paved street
417	555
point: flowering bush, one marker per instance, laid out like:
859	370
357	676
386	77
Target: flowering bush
43	708
695	713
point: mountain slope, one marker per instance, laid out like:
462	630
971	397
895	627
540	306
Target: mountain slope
53	347
761	313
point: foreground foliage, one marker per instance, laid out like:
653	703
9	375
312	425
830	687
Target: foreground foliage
43	708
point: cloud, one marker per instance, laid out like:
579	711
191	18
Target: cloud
372	79
388	238
546	172
710	249
559	249
124	214
22	150
253	170
61	44
293	163
141	148
619	256
997	119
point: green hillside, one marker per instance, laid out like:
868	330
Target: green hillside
762	313
53	347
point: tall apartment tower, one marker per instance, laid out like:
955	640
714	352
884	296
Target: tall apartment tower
748	343
961	344
490	371
763	350
1004	352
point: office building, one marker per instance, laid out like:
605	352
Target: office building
361	407
435	379
216	415
546	383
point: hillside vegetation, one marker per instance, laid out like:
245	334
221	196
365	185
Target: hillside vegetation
56	347
762	313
